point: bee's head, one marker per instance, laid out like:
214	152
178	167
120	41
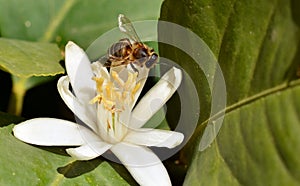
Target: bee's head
145	56
141	55
140	52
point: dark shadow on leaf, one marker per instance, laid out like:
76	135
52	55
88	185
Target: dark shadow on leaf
6	87
79	168
176	169
123	172
55	150
62	63
119	168
293	72
295	5
7	119
116	164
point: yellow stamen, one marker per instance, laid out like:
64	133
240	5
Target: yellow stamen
99	83
118	96
108	104
114	94
108	89
129	81
135	75
108	125
135	89
117	78
124	95
97	98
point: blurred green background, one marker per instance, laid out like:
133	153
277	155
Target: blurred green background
58	22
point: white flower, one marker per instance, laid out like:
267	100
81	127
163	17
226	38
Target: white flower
104	101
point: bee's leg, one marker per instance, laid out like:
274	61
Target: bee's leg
107	64
133	67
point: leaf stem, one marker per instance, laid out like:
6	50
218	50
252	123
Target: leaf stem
56	20
255	97
17	96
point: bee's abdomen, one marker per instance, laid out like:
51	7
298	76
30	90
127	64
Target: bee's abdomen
120	49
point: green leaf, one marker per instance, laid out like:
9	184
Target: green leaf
27	62
254	54
60	21
257	46
6	119
23	164
25	59
258	144
51	165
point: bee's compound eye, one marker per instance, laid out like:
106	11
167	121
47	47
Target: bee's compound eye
152	60
141	53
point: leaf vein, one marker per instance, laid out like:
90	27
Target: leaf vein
260	52
57	20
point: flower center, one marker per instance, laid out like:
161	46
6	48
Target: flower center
114	102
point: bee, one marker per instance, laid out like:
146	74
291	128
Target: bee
126	52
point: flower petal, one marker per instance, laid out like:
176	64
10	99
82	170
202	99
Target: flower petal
84	111
154	137
145	167
80	72
51	132
89	151
142	77
156	97
99	70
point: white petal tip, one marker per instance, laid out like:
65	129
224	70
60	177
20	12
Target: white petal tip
70	43
17	131
177	72
89	151
155	137
74	154
22	131
49	132
72	46
171	140
179	137
173	76
144	166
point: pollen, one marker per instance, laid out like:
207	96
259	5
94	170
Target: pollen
116	77
114	93
108	126
130	80
135	89
99	83
97	98
109	91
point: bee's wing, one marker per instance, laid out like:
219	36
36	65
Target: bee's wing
126	27
104	61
